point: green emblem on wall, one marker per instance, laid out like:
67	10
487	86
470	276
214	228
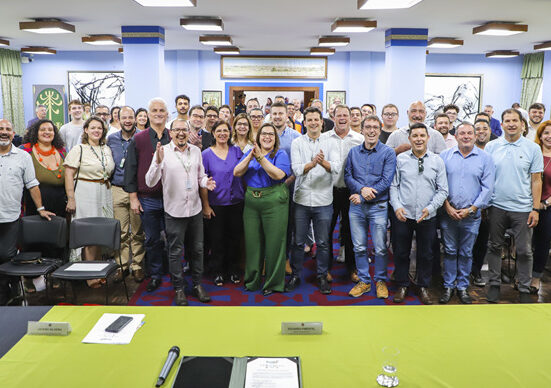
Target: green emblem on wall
53	100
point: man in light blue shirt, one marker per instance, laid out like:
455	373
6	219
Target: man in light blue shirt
368	174
419	188
315	160
515	202
471	173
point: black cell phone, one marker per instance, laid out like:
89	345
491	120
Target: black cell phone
118	324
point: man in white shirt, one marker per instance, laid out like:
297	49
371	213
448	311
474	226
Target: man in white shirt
179	166
314	161
345	139
71	133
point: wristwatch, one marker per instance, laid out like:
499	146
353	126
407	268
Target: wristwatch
535	210
471	211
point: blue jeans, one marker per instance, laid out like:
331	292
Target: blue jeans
320	216
153	222
458	238
373	217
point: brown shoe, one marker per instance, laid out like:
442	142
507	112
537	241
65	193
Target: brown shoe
359	289
119	275
424	296
382	290
354	276
329	278
400	295
288	269
139	275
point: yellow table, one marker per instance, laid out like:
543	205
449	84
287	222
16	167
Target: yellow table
441	346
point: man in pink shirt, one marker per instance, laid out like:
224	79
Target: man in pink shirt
179	166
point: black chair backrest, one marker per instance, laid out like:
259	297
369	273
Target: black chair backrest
37	230
95	231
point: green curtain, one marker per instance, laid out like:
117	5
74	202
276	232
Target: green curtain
532	78
12	88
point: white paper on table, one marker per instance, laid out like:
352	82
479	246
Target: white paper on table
98	335
272	373
87	267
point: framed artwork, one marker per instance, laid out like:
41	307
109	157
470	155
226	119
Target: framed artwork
273	67
97	87
334	96
53	98
212	97
463	90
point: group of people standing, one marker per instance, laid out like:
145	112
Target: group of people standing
203	182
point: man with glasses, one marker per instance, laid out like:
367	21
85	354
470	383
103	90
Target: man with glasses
419	188
179	166
368	174
102	111
211	115
197	135
399	140
390	118
452	111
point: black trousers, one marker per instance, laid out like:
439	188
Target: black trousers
8	248
341	206
225	231
481	244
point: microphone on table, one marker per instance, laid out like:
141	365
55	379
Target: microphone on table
173	355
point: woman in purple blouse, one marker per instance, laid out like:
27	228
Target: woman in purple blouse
224	207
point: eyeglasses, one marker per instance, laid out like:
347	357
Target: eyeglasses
420	165
390	114
242	124
257	117
268	134
210	116
178	130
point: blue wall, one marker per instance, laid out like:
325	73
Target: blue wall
361	74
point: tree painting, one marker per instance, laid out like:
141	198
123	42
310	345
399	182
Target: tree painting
97	88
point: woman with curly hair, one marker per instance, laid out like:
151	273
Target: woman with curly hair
43	143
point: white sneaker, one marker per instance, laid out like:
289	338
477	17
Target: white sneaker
340	257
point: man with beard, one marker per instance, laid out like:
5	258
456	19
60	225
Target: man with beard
198	136
182	107
535	114
132	235
211	117
399	140
442	124
144	200
452	111
17	172
180	168
515	203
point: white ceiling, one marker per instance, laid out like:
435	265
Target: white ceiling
279	25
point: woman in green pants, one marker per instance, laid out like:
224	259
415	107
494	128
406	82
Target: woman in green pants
264	169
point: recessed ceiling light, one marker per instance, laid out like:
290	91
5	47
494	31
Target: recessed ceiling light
386	4
4	42
101	40
545	46
227	50
47	26
167	3
216	40
202	24
333	41
444	43
502	54
500	29
38	50
353	25
322	51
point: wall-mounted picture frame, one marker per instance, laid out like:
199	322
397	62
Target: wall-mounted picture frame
463	90
97	87
273	67
212	97
53	98
334	96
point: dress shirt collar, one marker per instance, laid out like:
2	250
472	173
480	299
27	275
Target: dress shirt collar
13	150
374	149
412	155
504	141
474	151
313	140
175	148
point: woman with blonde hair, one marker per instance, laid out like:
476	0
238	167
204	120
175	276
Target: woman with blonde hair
242	134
